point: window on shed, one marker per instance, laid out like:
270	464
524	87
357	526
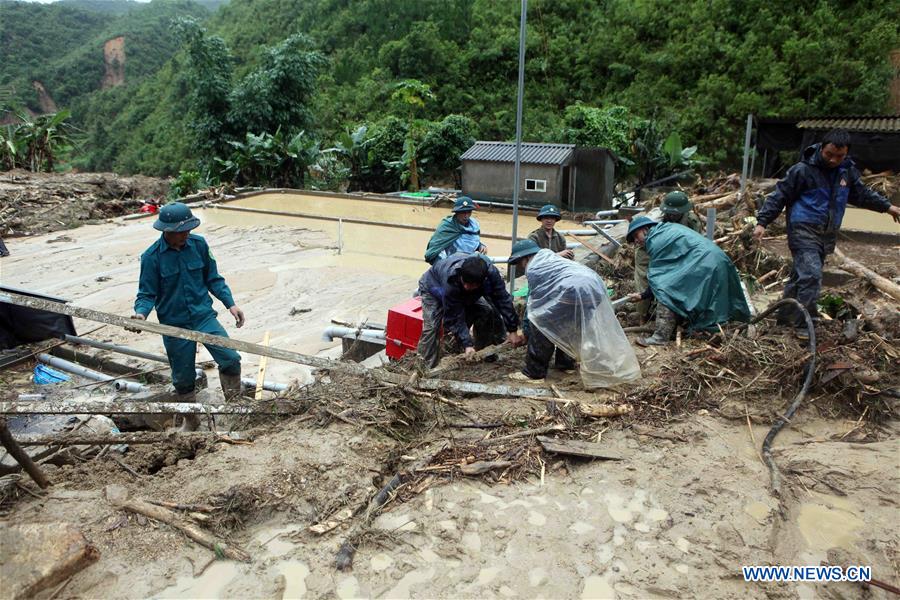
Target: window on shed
536	185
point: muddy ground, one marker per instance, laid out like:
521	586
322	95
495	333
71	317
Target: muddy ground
687	505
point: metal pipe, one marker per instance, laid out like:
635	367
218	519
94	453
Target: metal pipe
605	213
747	135
711	223
520	94
250	383
76	369
605	222
501	260
577	231
336	331
74	339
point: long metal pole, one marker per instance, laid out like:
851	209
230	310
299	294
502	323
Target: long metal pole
519	97
747	135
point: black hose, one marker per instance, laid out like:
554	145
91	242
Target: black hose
795	404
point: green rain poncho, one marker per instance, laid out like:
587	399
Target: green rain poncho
693	277
452	236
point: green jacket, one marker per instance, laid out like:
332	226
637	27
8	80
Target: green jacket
178	283
557	242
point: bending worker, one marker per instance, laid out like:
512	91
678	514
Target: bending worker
568	308
692	280
462	291
458	232
546	235
178	274
676	208
816	192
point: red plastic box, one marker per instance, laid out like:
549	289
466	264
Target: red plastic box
404	328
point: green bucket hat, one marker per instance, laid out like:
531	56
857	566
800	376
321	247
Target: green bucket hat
637	224
675	203
176	217
521	249
548	210
464	204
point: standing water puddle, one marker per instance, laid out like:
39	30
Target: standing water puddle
828	522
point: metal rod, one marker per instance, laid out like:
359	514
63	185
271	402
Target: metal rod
520	94
76	438
605	222
746	154
711	223
605	213
74	339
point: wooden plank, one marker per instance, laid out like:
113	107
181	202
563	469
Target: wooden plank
186	334
133	437
261	374
468	387
576	448
69	407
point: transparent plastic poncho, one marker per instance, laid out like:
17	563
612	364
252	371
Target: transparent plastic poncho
568	303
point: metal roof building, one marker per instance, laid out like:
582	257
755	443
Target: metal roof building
573	178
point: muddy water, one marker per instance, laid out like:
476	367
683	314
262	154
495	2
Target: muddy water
867	220
380	248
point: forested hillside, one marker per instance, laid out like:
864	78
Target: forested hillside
421	74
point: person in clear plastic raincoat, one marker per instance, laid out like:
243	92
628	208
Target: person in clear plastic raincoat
568	307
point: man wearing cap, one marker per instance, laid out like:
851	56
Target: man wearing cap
546	236
676	208
569	311
460	291
458	232
692	279
178	274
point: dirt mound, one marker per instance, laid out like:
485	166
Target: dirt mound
32	203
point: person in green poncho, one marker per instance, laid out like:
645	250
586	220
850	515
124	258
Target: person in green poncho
693	281
676	208
458	232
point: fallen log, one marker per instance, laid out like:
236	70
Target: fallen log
576	448
21	457
879	282
164	515
69	407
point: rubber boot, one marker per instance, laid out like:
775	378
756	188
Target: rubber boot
189	422
231	386
665	327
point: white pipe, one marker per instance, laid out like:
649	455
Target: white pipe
605	213
577	231
501	260
74	339
605	222
271	386
76	369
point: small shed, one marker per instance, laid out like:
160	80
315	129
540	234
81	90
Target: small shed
574	178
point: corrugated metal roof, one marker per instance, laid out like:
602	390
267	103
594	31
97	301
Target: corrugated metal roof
533	154
883	124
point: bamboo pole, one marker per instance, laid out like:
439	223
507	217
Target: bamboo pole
130	438
261	375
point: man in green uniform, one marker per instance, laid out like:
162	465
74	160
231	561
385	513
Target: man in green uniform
676	208
178	274
546	237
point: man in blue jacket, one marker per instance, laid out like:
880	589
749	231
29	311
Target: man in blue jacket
460	291
815	193
178	274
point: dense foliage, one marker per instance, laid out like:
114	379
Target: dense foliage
646	78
